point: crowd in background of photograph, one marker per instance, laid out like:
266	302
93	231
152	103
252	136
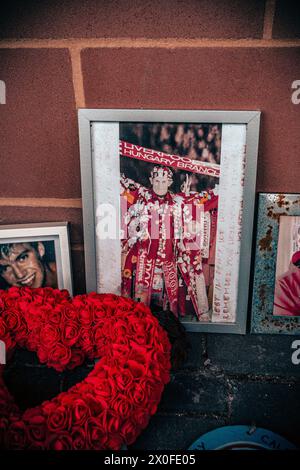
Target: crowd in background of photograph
200	142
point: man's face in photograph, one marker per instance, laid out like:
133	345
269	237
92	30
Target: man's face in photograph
22	265
160	184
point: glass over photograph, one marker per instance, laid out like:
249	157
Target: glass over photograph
169	205
28	264
168	208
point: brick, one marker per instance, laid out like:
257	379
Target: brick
252	354
34	215
287	20
197	392
270	405
39	133
175	432
205	78
134	18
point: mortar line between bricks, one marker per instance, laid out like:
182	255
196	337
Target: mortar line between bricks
168	43
41	202
191	414
221	373
77	247
269	19
263	378
77	77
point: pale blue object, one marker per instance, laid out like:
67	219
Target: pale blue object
241	438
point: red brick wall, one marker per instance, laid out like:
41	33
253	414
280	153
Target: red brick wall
56	57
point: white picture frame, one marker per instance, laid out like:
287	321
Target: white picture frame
51	236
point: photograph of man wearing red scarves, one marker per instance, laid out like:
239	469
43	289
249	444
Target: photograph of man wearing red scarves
169	216
287	287
287	290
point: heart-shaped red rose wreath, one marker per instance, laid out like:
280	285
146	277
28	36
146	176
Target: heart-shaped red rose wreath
112	405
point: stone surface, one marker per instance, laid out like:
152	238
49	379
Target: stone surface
198	392
252	354
166	432
268	404
197	351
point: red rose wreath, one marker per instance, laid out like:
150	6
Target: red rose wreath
115	401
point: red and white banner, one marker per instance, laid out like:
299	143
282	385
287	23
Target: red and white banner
181	163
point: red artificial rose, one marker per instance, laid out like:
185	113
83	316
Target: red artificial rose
61	441
141	311
15	293
101	337
36	425
69	312
33	314
16	436
123	378
104	388
55	315
77	358
22	334
111	421
129	431
12	318
70	333
100	312
114	441
96	433
36	445
80	412
85	316
121	352
4	423
122	405
58	418
138	370
59	357
49	335
95	403
78	438
85	341
140	417
139	393
140	353
43	354
3	327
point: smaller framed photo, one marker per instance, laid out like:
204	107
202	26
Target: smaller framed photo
276	290
35	255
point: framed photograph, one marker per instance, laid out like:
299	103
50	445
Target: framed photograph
276	292
168	201
35	255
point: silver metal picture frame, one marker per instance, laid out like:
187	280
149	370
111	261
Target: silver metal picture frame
115	154
276	286
35	255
